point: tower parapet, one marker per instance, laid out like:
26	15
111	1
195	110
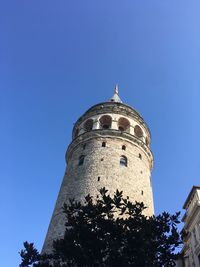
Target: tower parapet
110	148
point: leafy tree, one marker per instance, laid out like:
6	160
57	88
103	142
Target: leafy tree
110	231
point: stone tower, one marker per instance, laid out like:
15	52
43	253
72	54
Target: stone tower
110	148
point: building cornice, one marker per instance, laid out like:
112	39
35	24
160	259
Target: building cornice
190	194
110	133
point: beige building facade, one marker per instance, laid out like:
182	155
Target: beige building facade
191	231
110	148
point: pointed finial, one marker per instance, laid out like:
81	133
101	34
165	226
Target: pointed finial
116	89
116	97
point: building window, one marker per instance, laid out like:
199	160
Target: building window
88	125
142	192
98	178
123	147
121	128
140	156
84	146
103	144
81	160
138	131
123	161
123	125
105	126
105	122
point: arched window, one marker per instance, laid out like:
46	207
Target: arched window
88	125
105	122
138	131
81	160
123	125
123	161
123	147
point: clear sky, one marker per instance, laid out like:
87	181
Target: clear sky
57	59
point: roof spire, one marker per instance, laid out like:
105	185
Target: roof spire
116	97
116	89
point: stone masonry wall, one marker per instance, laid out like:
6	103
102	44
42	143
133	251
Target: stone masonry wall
101	168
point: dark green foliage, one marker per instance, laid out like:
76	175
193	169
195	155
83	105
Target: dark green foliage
110	231
29	255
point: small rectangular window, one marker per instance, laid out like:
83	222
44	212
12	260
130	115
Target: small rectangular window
81	160
103	144
98	178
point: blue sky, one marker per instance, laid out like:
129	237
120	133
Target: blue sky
58	58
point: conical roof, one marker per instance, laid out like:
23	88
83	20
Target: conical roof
116	97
